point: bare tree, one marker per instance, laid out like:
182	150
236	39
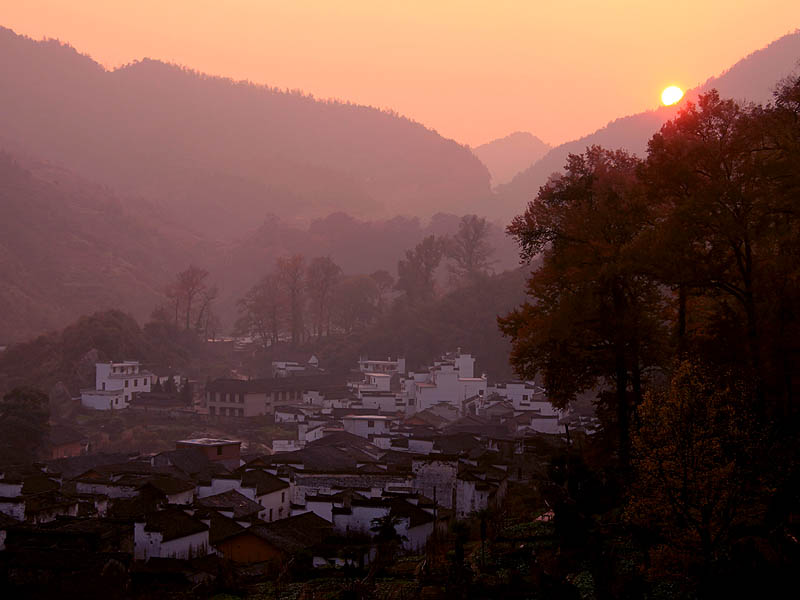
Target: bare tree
384	283
189	287
322	277
355	303
173	295
469	249
260	311
415	272
207	319
291	275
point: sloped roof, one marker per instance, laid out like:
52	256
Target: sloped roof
173	524
231	500
38	485
169	485
426	417
188	459
455	443
73	466
221	527
265	483
294	533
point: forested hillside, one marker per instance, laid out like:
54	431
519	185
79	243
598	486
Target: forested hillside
69	247
222	154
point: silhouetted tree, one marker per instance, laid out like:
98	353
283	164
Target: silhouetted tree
384	284
24	414
415	272
322	276
355	303
469	249
190	285
728	216
261	311
290	271
593	318
696	456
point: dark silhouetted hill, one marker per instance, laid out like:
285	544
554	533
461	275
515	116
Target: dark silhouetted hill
752	79
223	154
505	157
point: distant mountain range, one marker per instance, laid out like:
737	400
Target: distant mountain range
752	79
505	157
113	181
223	154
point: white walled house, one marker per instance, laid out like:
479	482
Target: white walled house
224	483
435	478
271	492
451	379
524	396
372	382
414	524
472	495
258	397
115	385
366	425
287	367
383	402
170	534
13	507
10	489
398	365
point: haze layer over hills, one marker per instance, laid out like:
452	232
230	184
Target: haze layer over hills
70	247
505	157
224	154
138	172
752	79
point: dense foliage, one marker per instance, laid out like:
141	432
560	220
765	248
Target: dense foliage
671	287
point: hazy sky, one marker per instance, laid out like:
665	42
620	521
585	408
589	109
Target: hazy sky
473	71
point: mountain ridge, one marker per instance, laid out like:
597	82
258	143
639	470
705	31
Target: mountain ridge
752	78
507	156
168	133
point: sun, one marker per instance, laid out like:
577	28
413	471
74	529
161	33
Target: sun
671	95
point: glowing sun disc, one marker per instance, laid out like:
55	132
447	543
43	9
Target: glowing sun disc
671	95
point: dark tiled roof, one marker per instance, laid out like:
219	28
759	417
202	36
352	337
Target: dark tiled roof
169	485
221	528
173	524
231	500
39	485
189	460
265	483
456	443
74	466
295	533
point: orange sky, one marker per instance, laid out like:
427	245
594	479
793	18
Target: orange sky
473	71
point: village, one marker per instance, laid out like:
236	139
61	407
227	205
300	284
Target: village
381	449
